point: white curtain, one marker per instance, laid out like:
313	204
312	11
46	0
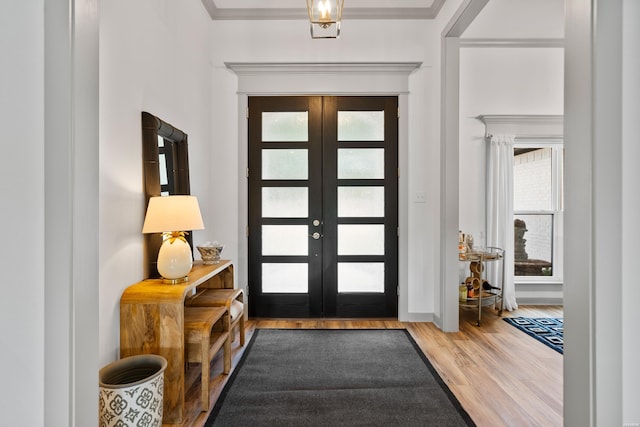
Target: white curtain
500	210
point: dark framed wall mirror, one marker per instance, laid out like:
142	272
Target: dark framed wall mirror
165	163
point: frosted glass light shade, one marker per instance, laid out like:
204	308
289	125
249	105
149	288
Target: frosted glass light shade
172	213
325	17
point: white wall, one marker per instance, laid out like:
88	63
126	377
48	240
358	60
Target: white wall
289	42
22	214
601	370
499	81
154	56
499	76
630	208
518	20
168	58
48	97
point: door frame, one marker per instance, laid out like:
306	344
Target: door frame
358	79
323	297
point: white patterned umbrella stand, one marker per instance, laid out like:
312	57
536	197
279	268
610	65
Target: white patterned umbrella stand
131	392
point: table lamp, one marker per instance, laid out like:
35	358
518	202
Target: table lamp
172	216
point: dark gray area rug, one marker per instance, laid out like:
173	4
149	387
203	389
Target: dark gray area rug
335	378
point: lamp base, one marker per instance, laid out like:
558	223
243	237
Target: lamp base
174	260
175	281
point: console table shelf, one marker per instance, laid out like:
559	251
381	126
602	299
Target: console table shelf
152	322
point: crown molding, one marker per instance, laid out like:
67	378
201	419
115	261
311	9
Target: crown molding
517	43
524	126
372	78
251	68
217	13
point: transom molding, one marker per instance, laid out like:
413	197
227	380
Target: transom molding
338	78
524	126
251	68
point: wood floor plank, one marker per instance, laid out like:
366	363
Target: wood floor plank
501	376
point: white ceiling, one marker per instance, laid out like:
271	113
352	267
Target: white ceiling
518	19
296	9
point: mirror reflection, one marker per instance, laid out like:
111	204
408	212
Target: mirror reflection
166	172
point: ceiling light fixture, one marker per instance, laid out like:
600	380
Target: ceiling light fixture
323	14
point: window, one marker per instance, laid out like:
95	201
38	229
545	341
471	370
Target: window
537	207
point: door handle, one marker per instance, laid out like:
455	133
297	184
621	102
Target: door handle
316	235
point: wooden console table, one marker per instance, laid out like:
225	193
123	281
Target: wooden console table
152	322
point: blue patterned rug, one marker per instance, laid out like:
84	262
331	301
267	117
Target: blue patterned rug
547	330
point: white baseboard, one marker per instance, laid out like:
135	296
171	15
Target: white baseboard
417	317
540	301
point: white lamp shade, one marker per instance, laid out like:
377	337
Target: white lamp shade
172	213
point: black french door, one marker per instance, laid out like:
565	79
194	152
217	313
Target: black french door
323	196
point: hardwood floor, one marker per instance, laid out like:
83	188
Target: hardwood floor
501	376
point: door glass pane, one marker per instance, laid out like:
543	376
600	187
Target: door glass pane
532	179
285	126
360	201
285	240
285	164
285	202
533	247
361	277
360	239
285	278
360	125
361	163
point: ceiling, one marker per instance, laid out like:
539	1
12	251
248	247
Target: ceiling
296	9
